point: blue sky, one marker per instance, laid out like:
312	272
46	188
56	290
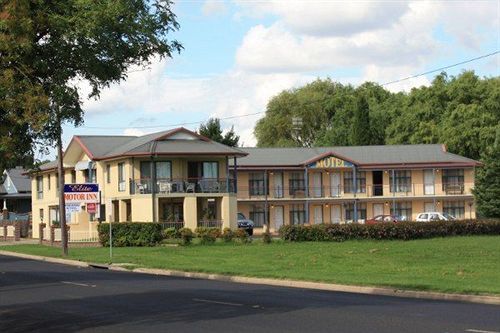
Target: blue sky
238	54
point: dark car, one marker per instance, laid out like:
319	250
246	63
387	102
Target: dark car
384	218
246	224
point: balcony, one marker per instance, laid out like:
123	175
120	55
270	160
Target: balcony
173	186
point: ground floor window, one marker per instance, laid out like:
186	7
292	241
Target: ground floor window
258	215
349	211
454	208
297	214
403	209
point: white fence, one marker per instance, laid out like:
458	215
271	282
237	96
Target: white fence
83	236
10	231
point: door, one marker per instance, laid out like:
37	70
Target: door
278	185
317	190
278	217
378	209
318	214
335	214
335	184
429	207
378	183
429	182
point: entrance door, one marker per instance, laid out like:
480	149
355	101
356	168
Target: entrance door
378	209
317	190
335	214
278	185
335	184
116	211
428	182
429	207
378	183
278	217
318	214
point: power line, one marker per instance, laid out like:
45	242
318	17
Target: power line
261	112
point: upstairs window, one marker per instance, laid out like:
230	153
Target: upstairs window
121	177
453	181
401	181
108	173
297	183
39	187
256	184
360	182
210	170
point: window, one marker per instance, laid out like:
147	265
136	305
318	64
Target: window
360	182
57	181
121	177
210	170
297	214
453	181
258	215
296	183
108	173
163	170
39	187
48	181
73	176
349	211
90	175
40	213
401	181
454	208
256	184
403	209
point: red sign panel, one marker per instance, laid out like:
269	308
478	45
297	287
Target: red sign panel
91	208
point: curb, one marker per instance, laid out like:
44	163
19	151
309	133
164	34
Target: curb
380	291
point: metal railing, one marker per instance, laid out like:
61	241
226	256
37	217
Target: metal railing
210	223
181	185
91	236
372	190
172	224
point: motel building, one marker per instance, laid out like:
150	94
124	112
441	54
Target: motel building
177	177
182	179
345	184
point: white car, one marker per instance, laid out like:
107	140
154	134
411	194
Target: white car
434	216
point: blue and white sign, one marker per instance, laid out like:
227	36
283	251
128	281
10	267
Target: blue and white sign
81	193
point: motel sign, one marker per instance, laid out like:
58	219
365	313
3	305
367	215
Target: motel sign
331	162
81	193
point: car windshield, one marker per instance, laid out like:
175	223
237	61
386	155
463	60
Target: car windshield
448	216
241	216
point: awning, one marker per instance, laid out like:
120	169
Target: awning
83	165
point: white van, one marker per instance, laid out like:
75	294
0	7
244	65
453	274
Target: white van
434	216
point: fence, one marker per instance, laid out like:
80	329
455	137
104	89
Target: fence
210	223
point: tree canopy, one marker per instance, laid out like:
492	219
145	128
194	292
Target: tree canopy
212	130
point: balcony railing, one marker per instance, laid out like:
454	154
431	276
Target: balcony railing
210	223
398	190
189	185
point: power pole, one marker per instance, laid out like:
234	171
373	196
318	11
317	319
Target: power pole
60	171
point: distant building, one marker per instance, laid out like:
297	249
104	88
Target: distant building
15	191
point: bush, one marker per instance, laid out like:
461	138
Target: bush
388	231
186	235
227	235
242	236
213	232
170	233
266	238
131	234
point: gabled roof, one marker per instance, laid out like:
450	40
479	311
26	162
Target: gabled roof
363	156
178	141
19	179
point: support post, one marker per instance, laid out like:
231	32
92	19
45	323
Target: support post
266	219
41	227
235	174
306	180
393	192
434	189
62	203
355	187
227	175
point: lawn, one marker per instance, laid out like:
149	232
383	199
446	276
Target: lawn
454	264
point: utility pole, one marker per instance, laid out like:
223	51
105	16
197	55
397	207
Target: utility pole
60	171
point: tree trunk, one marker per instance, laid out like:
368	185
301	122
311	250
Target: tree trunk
62	204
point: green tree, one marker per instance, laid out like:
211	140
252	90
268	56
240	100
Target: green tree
361	131
65	42
212	130
487	187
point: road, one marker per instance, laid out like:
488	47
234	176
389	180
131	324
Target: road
40	296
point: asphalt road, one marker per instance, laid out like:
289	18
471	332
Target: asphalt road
39	296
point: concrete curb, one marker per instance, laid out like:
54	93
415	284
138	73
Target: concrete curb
482	299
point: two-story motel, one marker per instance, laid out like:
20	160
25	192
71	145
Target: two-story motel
342	184
181	177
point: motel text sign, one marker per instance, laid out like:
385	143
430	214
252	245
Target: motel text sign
81	193
331	162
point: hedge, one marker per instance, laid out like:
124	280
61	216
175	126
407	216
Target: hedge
388	231
131	234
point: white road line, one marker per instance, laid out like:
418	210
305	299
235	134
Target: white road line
216	302
480	331
79	284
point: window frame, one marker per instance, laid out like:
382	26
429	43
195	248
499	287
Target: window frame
348	179
401	182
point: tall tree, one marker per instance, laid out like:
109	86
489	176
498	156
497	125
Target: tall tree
212	129
487	187
361	131
65	42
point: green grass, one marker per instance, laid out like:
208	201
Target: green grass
455	264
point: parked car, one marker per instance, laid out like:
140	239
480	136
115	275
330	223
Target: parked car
246	224
384	218
434	216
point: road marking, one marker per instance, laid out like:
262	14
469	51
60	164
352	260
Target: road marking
79	284
480	331
216	302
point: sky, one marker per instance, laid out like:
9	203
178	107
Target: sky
239	54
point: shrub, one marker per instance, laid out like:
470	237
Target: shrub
170	233
131	234
266	238
388	231
213	232
208	238
227	235
186	236
242	236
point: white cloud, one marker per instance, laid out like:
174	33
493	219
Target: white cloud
214	7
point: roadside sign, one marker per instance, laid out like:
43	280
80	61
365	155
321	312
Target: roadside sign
81	193
91	207
70	209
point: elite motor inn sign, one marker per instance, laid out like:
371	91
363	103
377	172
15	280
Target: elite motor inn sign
77	194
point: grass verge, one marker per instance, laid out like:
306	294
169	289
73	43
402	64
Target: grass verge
455	264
